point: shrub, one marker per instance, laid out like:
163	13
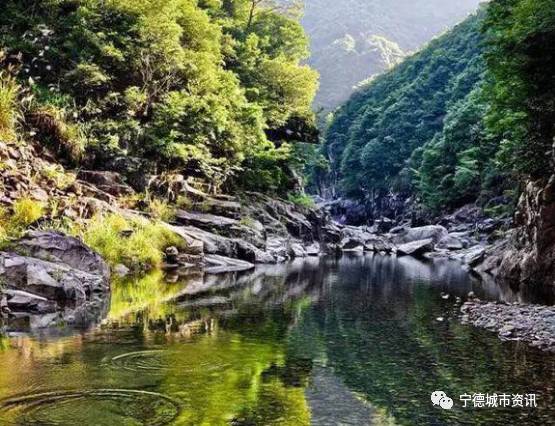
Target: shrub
57	175
301	200
142	249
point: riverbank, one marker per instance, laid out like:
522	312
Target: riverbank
532	324
92	225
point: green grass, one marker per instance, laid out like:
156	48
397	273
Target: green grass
15	221
161	210
9	110
143	249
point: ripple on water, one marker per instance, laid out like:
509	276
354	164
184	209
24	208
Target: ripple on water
96	407
160	361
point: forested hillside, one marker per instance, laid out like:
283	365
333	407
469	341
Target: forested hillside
353	40
209	89
400	123
461	121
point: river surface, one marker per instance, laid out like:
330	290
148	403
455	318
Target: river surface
352	341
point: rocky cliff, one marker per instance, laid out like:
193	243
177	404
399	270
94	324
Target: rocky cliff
527	258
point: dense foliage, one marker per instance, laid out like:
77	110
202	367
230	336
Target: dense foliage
372	137
201	88
459	122
520	55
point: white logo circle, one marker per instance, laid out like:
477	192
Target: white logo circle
440	398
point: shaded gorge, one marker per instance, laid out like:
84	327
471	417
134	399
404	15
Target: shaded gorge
325	341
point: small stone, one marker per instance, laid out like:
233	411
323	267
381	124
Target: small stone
172	254
121	270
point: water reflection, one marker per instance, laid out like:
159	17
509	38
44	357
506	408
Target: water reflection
324	341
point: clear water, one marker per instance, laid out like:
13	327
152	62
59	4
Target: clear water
353	341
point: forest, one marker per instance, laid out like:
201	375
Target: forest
466	119
176	242
212	89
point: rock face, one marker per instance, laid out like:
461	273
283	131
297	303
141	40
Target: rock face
530	258
53	274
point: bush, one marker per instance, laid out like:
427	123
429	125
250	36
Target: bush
301	200
26	211
136	243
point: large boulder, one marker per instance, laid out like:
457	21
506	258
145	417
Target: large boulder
434	232
50	278
416	248
61	248
109	182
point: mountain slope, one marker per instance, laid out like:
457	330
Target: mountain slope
373	136
352	40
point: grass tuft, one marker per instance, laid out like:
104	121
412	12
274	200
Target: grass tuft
9	110
137	243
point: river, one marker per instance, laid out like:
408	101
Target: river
324	341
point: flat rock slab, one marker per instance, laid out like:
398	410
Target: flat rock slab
220	264
533	324
204	220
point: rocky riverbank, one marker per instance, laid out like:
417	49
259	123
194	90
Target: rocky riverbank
532	324
50	278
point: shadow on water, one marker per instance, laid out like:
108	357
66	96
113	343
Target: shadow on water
326	341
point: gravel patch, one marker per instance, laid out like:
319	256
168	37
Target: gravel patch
533	324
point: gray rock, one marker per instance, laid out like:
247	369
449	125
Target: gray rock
451	242
110	182
474	256
220	264
434	232
416	248
21	301
313	249
57	247
297	250
204	221
58	278
350	244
